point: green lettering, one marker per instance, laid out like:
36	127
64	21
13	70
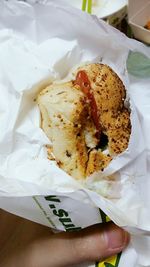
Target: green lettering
52	198
66	221
60	213
73	229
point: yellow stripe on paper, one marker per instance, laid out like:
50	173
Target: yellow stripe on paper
110	262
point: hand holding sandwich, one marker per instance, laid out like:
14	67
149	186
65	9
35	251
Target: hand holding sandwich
27	244
88	125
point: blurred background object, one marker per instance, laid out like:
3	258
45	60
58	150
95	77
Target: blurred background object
113	11
132	17
139	19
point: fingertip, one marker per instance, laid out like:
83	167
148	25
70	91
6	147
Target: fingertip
102	241
96	243
116	238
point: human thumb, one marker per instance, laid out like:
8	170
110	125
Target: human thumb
94	243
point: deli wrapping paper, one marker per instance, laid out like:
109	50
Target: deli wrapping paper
41	42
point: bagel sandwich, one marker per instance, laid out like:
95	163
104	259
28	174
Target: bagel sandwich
86	119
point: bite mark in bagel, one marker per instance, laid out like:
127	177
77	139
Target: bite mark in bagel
86	119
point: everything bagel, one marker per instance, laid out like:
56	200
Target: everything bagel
86	120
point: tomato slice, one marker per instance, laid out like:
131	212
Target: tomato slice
85	85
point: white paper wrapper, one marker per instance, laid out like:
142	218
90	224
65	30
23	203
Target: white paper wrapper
42	42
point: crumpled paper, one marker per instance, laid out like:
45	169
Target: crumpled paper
40	43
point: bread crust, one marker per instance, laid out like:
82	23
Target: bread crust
66	120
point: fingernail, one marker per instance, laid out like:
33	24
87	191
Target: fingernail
117	239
